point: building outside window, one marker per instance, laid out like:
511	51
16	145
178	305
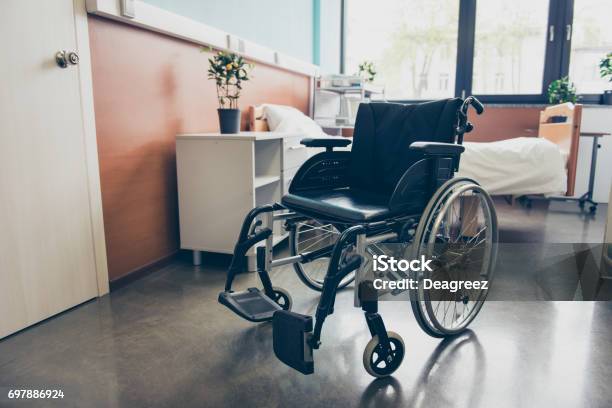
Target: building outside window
412	43
591	41
508	36
499	50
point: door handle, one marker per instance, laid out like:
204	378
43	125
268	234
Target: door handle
65	58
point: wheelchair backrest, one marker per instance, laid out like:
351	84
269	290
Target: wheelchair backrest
383	133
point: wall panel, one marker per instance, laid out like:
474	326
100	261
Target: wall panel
286	26
499	123
147	88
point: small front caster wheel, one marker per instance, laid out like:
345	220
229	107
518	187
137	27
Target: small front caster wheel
593	209
282	298
380	361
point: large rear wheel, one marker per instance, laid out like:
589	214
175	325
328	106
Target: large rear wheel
458	231
308	236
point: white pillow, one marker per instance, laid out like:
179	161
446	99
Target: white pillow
276	113
288	119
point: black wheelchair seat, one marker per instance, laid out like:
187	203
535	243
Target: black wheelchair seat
343	204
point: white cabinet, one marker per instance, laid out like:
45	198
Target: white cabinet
222	177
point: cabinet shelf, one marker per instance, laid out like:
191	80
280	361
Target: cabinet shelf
367	89
261	181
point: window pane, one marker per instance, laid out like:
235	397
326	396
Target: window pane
413	44
509	47
591	41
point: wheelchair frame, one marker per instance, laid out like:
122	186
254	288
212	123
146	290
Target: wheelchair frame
360	235
295	338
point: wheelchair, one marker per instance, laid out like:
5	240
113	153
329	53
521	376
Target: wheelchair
394	190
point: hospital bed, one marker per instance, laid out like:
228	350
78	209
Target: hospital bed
524	166
521	167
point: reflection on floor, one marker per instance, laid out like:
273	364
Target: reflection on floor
165	341
556	222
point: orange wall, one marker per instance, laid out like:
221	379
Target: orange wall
147	88
498	123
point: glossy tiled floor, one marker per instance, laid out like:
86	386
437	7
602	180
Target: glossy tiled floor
165	341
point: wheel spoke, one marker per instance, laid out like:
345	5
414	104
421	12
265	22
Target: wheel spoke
319	238
326	228
477	234
313	244
309	236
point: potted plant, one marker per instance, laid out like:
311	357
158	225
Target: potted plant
228	70
605	71
561	91
367	71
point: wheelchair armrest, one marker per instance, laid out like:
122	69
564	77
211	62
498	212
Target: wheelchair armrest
327	143
413	190
323	170
438	149
420	181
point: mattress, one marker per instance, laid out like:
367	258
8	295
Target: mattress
519	166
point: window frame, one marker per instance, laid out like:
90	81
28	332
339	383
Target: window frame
556	58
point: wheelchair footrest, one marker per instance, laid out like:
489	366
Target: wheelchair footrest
251	304
291	332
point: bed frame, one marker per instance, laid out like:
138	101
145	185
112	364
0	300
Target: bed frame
566	135
257	121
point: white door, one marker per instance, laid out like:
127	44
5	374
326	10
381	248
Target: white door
47	261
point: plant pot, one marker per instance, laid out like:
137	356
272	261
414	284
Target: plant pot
229	120
607	98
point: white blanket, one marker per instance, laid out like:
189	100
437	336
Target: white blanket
523	165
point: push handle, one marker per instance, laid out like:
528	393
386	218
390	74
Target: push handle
463	126
471	100
477	105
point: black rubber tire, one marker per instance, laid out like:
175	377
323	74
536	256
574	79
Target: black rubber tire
282	298
390	366
416	309
428	325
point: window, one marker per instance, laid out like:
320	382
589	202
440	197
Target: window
413	44
591	41
509	47
500	50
